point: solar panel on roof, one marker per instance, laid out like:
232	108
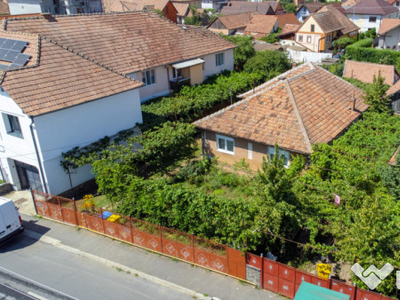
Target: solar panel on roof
11	55
19	46
3	53
21	59
8	44
2	41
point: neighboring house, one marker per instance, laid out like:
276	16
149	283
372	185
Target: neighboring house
182	11
320	29
365	72
307	9
288	34
20	7
395	3
287	19
165	6
216	5
52	100
231	24
141	45
295	110
264	8
261	25
369	14
72	7
389	34
346	4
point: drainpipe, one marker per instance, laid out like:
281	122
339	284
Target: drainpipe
38	156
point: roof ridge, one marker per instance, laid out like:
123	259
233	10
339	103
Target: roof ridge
88	58
298	115
365	62
237	103
260	87
340	78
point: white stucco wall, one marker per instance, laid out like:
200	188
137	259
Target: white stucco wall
62	130
18	7
160	88
304	57
209	63
363	22
390	39
13	147
81	125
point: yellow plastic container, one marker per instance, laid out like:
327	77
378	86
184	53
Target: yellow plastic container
113	218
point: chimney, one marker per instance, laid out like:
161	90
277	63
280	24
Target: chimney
46	16
352	103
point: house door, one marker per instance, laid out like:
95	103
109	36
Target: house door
28	176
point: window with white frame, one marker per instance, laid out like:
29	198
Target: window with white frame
176	73
308	38
12	125
286	155
219	59
225	144
149	77
372	19
300	38
312	28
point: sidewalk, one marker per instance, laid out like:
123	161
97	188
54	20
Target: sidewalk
177	273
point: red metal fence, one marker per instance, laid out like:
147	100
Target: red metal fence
268	274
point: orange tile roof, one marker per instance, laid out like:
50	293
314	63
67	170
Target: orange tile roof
295	110
330	19
261	24
287	19
365	72
235	21
57	78
288	29
126	42
388	24
182	8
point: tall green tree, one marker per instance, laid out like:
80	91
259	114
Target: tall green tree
376	95
243	52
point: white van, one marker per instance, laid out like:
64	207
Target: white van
10	220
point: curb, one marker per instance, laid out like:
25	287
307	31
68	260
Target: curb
57	243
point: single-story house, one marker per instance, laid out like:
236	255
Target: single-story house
53	99
261	25
389	34
141	45
295	110
230	24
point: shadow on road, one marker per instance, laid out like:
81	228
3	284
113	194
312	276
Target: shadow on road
22	241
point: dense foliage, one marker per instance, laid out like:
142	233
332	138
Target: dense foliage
376	95
272	37
243	51
268	64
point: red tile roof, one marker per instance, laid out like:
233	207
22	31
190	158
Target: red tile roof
287	19
57	78
235	21
388	24
365	71
330	19
299	108
372	7
126	42
289	29
261	24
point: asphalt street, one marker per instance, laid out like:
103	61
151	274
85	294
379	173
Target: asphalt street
70	275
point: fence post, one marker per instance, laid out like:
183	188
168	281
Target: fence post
161	238
33	199
354	295
193	249
262	273
59	204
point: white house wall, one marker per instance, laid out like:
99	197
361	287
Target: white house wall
81	125
18	7
363	22
390	39
209	63
11	147
160	88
